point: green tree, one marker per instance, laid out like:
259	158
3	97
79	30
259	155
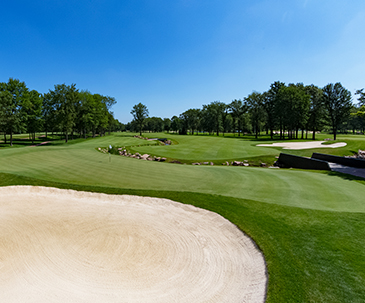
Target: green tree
237	110
16	116
166	124
293	105
190	119
6	110
49	113
65	98
175	123
316	109
361	98
34	113
337	101
140	113
274	108
255	104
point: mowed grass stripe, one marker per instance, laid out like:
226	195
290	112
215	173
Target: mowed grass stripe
89	167
202	148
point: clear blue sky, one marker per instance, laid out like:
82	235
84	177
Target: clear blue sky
173	55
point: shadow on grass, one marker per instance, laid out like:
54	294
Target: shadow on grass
346	176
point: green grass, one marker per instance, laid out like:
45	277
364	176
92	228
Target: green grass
199	148
309	225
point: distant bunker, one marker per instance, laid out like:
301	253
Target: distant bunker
69	246
304	145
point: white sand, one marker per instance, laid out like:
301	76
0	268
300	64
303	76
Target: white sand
68	246
304	145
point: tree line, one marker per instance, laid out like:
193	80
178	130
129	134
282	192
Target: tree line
63	109
287	111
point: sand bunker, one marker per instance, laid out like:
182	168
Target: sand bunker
304	145
68	246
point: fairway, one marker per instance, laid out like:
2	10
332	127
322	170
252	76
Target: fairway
309	225
82	164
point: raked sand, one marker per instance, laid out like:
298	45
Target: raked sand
304	145
69	246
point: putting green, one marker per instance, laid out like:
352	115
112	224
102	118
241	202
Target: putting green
202	148
82	164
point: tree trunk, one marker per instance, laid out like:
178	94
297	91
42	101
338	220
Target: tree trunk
66	137
11	138
5	137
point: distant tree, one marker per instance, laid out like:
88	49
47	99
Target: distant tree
64	98
337	101
216	110
34	113
49	113
166	124
226	119
16	116
361	98
237	110
294	105
140	113
274	108
6	111
175	123
255	104
316	109
190	119
357	118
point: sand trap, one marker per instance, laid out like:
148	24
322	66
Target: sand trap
304	145
68	246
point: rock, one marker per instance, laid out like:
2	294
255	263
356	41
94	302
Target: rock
145	156
196	163
263	164
227	163
274	167
245	161
205	163
211	163
162	159
149	159
236	163
246	164
157	158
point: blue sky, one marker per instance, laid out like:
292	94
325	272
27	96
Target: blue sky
173	55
